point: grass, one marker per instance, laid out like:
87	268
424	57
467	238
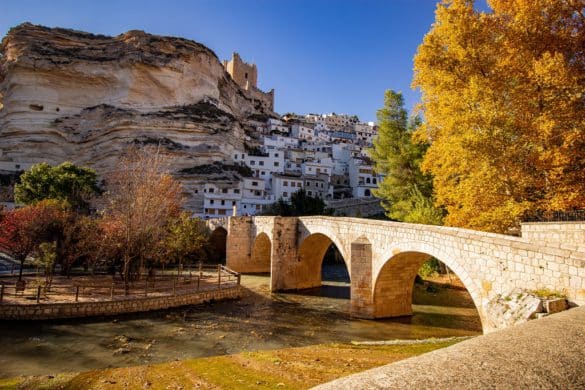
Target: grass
289	368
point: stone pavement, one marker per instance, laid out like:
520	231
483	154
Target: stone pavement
548	353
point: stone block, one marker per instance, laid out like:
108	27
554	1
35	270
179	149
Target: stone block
555	305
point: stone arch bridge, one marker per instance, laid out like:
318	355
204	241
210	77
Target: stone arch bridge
383	258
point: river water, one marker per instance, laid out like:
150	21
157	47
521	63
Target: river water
259	320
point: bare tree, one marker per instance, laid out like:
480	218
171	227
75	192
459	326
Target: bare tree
142	200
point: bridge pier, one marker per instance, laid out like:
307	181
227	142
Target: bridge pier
287	273
239	243
361	304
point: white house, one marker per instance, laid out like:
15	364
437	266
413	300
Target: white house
362	178
255	198
220	198
303	132
318	166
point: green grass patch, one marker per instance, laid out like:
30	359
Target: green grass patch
227	373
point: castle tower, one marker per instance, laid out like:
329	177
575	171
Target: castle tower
246	75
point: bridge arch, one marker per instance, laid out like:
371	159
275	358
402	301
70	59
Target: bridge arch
311	254
261	255
218	244
394	279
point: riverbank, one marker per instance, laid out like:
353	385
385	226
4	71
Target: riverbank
288	368
259	321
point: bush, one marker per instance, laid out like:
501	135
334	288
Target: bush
431	267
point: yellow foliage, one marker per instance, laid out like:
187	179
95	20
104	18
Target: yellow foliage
504	107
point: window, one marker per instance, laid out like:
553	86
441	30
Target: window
17	166
285	194
211	190
252	162
285	183
211	201
236	190
196	191
261	163
255	183
374	180
368	180
233	202
235	156
221	212
299	184
224	190
275	154
223	202
276	163
245	207
310	193
246	75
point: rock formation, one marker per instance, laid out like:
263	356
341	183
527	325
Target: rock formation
70	95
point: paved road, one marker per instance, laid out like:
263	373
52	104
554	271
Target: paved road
543	354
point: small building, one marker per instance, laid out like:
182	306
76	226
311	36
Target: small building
362	178
318	186
283	186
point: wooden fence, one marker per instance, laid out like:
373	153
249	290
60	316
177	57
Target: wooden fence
87	288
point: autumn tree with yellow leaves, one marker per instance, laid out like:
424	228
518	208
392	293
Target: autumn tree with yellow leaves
503	99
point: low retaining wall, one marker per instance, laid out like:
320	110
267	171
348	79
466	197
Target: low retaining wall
46	311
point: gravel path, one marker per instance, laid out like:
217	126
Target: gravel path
542	354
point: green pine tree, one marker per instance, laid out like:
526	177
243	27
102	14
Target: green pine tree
406	192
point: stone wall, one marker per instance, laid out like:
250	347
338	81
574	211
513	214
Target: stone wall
107	308
556	233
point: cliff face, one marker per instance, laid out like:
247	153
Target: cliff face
70	95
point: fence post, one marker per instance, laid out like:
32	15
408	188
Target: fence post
239	276
219	276
198	282
76	293
1	293
38	294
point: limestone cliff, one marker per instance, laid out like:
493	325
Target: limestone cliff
70	95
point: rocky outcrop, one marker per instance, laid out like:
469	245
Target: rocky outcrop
71	95
520	306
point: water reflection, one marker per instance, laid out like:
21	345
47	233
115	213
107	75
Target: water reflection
259	321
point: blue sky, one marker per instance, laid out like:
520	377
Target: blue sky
319	55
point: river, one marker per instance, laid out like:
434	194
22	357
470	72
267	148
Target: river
259	320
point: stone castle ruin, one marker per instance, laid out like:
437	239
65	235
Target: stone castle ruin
246	76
